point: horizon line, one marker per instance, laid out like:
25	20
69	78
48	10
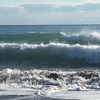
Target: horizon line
47	24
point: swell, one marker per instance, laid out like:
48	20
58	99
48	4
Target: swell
56	49
79	38
52	53
31	38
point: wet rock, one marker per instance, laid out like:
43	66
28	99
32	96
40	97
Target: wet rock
87	75
26	74
53	76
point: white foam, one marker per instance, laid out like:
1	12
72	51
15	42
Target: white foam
73	95
32	32
7	90
30	82
83	37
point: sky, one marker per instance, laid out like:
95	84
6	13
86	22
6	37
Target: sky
43	12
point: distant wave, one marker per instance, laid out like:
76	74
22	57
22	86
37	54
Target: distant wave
84	38
92	38
31	38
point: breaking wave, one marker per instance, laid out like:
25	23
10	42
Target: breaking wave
79	38
30	82
50	53
83	38
64	49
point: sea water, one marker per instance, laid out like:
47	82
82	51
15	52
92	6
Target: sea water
49	62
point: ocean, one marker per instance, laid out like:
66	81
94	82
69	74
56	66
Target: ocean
49	62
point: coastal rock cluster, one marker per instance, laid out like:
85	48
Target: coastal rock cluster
83	74
86	74
45	77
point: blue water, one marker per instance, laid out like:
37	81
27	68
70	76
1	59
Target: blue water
25	29
29	54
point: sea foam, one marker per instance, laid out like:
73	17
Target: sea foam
38	81
92	38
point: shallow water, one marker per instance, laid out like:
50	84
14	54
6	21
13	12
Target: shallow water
53	84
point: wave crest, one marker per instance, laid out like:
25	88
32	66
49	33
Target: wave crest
90	53
92	38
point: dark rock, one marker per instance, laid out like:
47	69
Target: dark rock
87	75
26	74
53	76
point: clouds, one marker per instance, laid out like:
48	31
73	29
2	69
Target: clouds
50	13
57	7
90	7
38	7
6	9
93	1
